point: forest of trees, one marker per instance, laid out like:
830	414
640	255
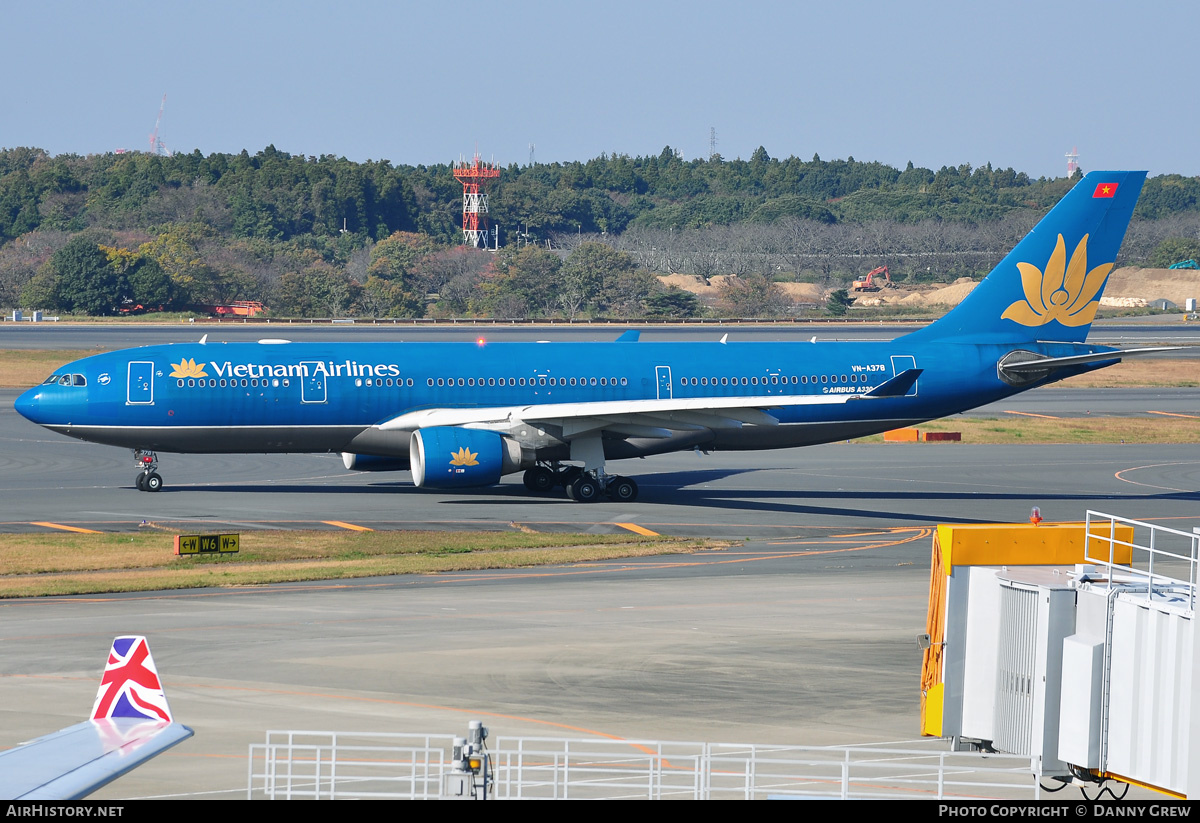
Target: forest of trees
327	237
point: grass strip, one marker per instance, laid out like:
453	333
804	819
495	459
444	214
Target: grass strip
34	565
23	368
1141	373
1063	430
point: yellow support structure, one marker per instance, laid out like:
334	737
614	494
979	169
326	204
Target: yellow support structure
1021	544
994	544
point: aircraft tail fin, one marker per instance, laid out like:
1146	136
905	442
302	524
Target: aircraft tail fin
130	686
1048	287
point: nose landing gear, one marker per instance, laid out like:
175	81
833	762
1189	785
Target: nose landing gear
148	479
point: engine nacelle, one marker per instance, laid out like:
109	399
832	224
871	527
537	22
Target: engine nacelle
373	463
450	457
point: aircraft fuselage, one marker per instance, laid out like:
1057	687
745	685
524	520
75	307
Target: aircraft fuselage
319	397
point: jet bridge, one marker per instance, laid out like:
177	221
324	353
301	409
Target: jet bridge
1073	644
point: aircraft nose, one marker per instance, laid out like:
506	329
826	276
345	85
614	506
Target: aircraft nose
27	404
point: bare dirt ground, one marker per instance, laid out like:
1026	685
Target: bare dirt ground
1154	284
1126	286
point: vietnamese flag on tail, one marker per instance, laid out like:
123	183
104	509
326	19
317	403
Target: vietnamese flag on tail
1105	190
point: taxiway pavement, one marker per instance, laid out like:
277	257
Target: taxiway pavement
789	641
804	635
48	478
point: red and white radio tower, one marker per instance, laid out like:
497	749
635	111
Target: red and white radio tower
1072	162
475	178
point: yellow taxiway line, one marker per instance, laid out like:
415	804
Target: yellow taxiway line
1176	414
349	526
636	529
66	528
1031	414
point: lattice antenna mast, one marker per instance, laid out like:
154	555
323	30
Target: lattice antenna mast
1072	162
712	143
475	178
156	144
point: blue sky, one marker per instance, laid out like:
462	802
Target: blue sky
938	83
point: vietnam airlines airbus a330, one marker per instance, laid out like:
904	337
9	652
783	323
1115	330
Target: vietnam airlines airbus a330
463	415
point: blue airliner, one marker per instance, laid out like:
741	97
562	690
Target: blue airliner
462	415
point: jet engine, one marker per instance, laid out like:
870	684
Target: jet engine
450	457
373	463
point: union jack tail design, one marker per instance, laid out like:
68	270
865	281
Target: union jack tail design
130	687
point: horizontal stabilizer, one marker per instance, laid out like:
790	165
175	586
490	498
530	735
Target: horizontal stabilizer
1043	363
630	336
898	386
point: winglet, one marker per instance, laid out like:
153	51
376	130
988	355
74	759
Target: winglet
898	386
630	336
130	686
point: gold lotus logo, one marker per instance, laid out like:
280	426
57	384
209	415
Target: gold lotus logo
1064	292
464	457
188	368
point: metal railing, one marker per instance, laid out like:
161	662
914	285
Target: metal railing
1162	560
331	765
299	765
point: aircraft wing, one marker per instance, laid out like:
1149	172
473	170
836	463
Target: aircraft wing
72	763
130	724
640	418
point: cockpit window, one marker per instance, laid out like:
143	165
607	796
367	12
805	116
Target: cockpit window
65	380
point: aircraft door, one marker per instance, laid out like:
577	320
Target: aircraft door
140	388
312	389
902	363
664	382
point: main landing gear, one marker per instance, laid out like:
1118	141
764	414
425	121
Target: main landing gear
148	479
581	486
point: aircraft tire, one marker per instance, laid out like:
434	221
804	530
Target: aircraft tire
623	489
140	482
153	482
584	490
539	479
569	475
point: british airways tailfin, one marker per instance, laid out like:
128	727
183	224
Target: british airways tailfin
1049	286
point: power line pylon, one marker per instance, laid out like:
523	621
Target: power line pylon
157	146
